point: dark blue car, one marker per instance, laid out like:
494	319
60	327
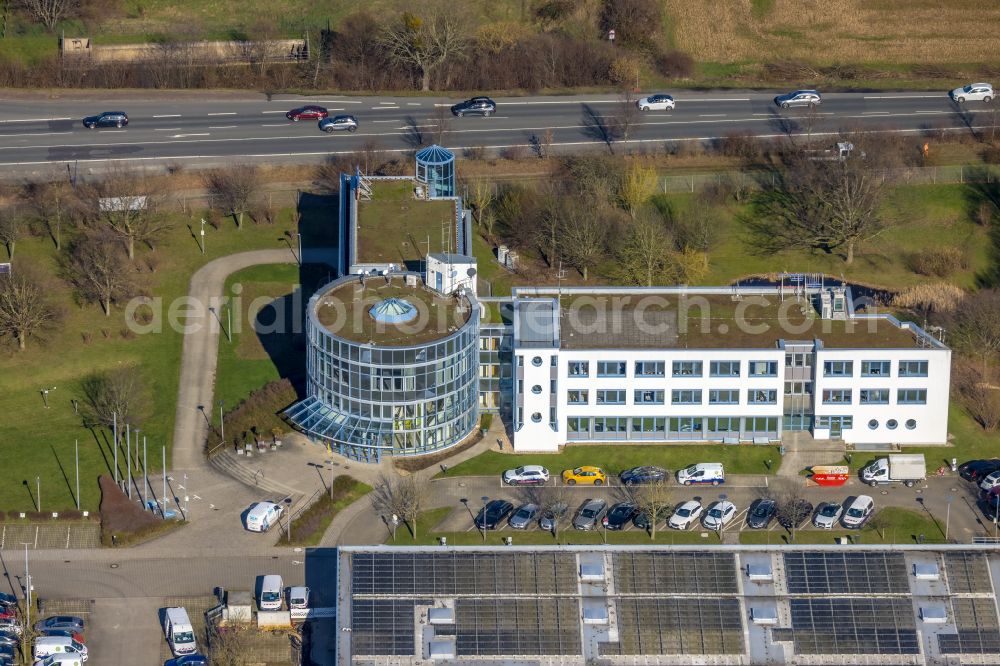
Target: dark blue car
644	474
188	660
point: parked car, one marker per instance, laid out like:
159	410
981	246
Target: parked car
793	517
657	102
298	597
643	522
60	660
685	514
10	626
106	119
858	512
68	633
976	470
484	106
808	98
589	513
8	611
712	473
828	514
594	476
644	474
61	622
494	513
188	660
718	514
43	646
526	475
9	638
619	515
339	124
262	515
553	515
524	517
308	112
974	92
990	481
761	513
7	599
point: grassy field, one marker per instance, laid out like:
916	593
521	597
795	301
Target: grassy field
902	527
744	459
40	442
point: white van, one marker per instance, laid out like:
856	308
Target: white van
179	632
50	645
272	588
263	515
60	660
712	473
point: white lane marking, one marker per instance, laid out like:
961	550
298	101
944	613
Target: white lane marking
34	134
385	121
611	101
278	125
711	115
274	112
33	120
388	102
166	129
223	127
938	96
413	104
169	115
875	113
408	127
385	108
321	101
182	136
932	111
724	99
222	113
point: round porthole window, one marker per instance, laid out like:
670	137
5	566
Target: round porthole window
911	424
536	389
892	424
537	417
873	424
537	361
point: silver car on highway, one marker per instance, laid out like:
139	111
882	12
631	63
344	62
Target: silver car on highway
974	92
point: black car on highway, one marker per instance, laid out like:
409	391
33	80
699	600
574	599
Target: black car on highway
619	515
761	513
977	470
644	474
494	513
483	106
106	119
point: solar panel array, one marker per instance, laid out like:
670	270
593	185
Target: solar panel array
978	631
522	626
845	573
677	626
863	625
383	626
455	574
967	573
675	573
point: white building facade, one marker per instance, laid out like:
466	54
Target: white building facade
894	391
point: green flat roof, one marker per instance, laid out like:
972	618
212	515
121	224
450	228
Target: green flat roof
395	227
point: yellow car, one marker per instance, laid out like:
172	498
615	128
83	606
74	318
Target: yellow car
595	476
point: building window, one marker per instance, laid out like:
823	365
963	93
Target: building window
611	368
687	369
838	369
650	368
762	396
837	397
911	424
835	422
537	361
685	397
763	368
798	360
892	424
649	424
537	417
874	396
611	397
765	424
913	368
724	397
798	388
723	424
875	368
686	424
873	425
536	389
911	396
579	368
725	368
643	397
610	424
577	396
578	424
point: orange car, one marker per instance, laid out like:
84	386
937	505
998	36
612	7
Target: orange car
594	476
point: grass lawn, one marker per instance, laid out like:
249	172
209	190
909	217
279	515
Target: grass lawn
901	527
40	442
309	526
395	227
613	458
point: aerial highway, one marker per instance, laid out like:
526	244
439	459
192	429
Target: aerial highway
38	131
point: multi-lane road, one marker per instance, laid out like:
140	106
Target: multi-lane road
36	132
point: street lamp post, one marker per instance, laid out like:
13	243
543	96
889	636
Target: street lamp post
485	502
38	491
27	587
947	515
45	396
222	422
203	235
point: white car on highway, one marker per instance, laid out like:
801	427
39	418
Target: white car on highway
719	514
658	102
684	515
974	92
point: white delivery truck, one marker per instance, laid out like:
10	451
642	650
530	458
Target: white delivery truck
906	468
179	632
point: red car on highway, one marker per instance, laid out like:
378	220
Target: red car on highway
307	113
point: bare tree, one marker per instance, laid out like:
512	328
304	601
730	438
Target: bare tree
425	43
627	113
402	496
50	203
637	185
125	203
25	311
551	500
50	12
234	188
978	389
644	256
481	196
11	229
583	237
100	271
790	502
441	120
973	325
655	500
229	645
880	521
119	394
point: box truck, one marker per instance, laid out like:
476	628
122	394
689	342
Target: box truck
908	469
